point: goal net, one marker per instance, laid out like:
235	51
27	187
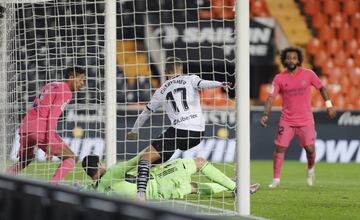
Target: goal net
42	38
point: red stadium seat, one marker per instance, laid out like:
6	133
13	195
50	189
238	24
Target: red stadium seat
339	102
318	102
333	46
354	75
314	46
338	20
318	20
336	74
324	79
351	47
357	53
357	61
355	20
351	7
356	102
345	82
312	7
331	7
340	59
334	91
214	97
353	93
320	58
264	91
259	8
350	62
326	33
277	101
346	33
328	66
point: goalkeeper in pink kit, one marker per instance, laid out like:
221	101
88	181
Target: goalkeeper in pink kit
294	85
38	127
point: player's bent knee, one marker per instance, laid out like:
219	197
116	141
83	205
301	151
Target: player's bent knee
200	162
310	149
151	154
67	153
280	149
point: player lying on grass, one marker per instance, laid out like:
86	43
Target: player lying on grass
170	180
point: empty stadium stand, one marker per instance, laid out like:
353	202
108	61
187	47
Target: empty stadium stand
334	47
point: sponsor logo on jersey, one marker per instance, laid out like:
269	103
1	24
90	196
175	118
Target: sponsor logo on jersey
303	83
182	119
167	172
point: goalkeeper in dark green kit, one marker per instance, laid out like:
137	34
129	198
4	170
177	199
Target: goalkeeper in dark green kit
171	180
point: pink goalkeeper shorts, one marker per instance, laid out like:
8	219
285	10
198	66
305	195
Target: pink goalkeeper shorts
285	134
29	140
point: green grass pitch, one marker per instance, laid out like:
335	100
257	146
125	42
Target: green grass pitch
335	195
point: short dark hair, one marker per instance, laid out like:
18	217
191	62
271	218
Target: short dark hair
73	71
171	63
291	49
90	164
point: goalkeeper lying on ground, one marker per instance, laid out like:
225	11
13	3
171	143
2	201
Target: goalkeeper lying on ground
171	180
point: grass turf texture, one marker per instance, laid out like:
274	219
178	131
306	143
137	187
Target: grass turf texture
335	194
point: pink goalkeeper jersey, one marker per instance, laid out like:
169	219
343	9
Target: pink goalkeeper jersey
47	108
296	94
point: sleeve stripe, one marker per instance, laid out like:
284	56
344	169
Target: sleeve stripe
148	108
199	83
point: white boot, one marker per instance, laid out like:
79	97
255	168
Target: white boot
310	177
275	183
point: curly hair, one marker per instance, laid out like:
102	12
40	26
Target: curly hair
291	49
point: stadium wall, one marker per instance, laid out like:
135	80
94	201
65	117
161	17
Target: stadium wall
336	140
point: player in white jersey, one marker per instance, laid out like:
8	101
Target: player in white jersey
179	96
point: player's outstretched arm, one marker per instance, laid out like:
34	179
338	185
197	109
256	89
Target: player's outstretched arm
208	84
267	109
329	107
155	103
142	118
